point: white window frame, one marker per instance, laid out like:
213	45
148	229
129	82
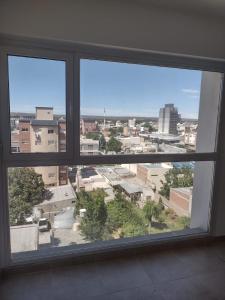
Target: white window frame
72	54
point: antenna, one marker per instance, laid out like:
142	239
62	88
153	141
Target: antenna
104	117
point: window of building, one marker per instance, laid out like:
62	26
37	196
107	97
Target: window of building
24	129
51	175
140	148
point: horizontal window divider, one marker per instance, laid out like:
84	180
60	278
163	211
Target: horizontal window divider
146	158
50	54
88	50
155	59
38	159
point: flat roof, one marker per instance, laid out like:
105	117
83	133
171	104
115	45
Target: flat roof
60	193
24	121
24	238
157	165
164	136
44	107
122	171
44	122
89	141
131	188
184	190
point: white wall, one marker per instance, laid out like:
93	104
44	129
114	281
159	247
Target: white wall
122	23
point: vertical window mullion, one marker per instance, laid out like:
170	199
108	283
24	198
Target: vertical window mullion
70	120
5	252
76	114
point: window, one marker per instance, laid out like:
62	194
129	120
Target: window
37	98
133	155
124	194
50	175
139	109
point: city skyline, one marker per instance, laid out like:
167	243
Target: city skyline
119	88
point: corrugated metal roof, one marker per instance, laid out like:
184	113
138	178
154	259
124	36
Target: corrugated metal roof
131	188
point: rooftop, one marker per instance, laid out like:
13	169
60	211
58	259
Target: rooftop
60	193
44	107
44	122
89	141
24	238
131	188
122	171
184	190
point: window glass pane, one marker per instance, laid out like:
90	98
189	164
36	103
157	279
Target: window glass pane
56	206
37	104
134	109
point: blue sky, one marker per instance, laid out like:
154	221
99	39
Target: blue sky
122	89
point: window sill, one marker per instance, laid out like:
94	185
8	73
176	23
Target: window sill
45	258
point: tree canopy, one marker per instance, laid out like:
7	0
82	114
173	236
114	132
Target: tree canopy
114	145
176	177
152	210
93	135
102	142
149	127
93	223
26	189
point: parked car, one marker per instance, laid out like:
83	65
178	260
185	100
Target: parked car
43	224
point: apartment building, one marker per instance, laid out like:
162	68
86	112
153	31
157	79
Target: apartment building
87	126
153	174
45	134
168	119
89	147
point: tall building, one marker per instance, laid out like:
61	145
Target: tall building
168	119
132	123
45	134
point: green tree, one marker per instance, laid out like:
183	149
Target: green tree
26	189
93	223
102	143
113	145
184	222
93	135
149	127
152	210
113	132
176	177
119	212
125	217
131	229
120	129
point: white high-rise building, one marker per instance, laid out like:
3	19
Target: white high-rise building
168	119
132	123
